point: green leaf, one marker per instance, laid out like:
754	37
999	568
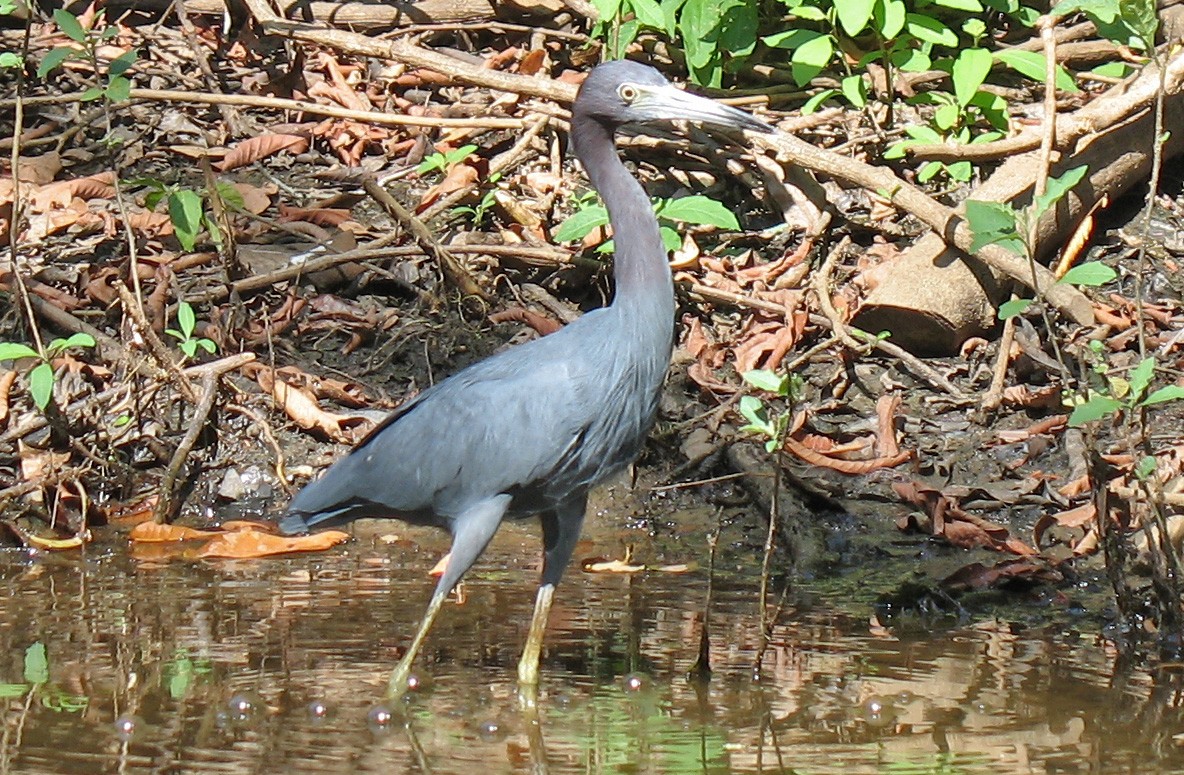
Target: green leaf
961	171
10	59
36	661
1031	64
68	23
700	210
649	13
10	351
854	15
122	63
1095	408
119	89
75	340
1140	16
1057	188
457	155
811	58
1140	378
970	6
763	379
431	162
208	345
91	94
946	117
1113	70
52	60
855	90
1014	307
929	170
889	17
993	223
186	319
189	347
974	27
814	102
581	223
1090	274
930	30
41	385
969	72
230	196
1169	393
12	691
185	213
808	13
607	9
670	239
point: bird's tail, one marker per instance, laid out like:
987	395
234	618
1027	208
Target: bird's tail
293	523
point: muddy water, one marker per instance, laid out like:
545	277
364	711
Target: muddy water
279	666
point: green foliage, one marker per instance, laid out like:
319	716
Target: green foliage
996	223
187	321
442	162
1116	394
41	377
696	210
761	422
36	676
477	214
115	86
188	208
1126	22
713	33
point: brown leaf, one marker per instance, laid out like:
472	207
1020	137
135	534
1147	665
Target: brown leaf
256	148
605	565
6	380
153	532
978	576
245	544
459	178
540	323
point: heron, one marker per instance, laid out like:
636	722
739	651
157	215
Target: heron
528	431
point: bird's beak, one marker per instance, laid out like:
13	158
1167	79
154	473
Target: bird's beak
673	104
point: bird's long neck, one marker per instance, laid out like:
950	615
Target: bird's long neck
644	289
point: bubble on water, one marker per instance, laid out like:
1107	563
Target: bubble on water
380	719
127	727
318	710
490	730
244	707
635	682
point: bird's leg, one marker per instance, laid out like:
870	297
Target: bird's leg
561	531
472	530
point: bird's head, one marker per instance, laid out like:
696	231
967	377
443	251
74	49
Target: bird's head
623	92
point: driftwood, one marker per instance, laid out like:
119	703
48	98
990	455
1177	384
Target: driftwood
932	300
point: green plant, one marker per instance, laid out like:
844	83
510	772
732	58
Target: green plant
443	162
116	87
41	377
697	210
760	423
187	321
488	200
997	223
713	33
1115	394
188	208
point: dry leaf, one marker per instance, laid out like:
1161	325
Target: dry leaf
261	147
245	544
153	532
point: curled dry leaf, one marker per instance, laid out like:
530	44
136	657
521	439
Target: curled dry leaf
6	380
540	323
247	544
261	147
57	544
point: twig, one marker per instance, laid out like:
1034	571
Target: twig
993	398
166	504
453	270
821	285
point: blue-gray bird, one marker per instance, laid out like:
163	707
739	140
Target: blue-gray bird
529	430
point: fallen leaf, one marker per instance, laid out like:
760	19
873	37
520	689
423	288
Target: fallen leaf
246	544
605	565
154	532
256	148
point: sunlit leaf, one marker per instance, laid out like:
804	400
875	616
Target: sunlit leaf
10	351
969	72
581	223
1057	188
1095	408
52	60
1169	393
763	379
1031	64
854	15
700	210
36	664
41	385
1009	309
185	214
993	223
1090	274
1140	377
69	24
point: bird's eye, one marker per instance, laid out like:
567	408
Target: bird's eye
627	92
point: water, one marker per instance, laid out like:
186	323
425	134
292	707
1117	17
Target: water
113	665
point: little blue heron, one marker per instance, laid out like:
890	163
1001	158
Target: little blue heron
528	431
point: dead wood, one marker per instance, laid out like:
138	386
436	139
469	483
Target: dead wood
358	15
932	301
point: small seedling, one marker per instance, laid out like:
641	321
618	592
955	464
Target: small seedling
442	162
41	377
115	87
189	344
1120	394
477	214
997	223
761	423
188	208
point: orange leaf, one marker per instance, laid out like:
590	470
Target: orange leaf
152	532
245	544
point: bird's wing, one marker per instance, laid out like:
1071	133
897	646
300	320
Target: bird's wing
500	425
